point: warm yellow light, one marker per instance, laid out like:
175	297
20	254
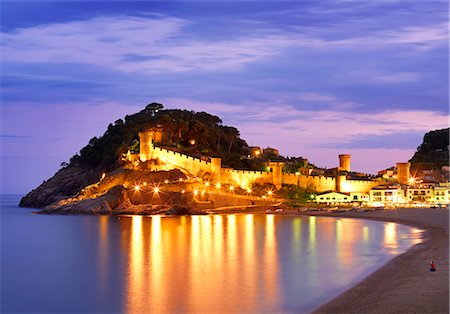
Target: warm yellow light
218	186
103	175
231	188
192	142
411	180
181	179
269	193
206	183
166	181
249	191
156	189
183	191
257	152
145	183
137	188
297	173
203	193
195	192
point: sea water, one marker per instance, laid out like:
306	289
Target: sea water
190	264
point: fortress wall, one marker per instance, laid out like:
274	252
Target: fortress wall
244	178
318	183
312	183
290	178
362	186
171	160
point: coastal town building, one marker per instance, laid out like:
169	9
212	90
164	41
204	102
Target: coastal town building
386	195
341	198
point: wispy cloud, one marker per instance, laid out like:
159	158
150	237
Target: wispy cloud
158	43
135	44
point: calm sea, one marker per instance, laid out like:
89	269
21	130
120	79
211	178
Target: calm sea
197	264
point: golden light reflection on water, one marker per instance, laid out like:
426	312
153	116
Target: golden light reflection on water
390	236
195	264
136	261
103	251
365	234
296	236
271	266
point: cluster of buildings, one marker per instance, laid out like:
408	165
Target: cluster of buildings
393	195
398	188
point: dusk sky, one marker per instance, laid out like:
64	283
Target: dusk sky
311	78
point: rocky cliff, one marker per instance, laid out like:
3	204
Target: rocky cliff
67	182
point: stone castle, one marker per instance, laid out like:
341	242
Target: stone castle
339	182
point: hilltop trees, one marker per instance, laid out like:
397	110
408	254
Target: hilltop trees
181	128
434	148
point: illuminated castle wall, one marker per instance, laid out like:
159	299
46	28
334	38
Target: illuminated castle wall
172	160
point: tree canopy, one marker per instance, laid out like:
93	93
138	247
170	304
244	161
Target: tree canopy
181	129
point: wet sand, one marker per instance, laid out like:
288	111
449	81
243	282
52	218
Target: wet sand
404	284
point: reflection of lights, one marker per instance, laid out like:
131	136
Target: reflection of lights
390	235
297	173
103	175
137	188
312	230
365	233
338	229
203	192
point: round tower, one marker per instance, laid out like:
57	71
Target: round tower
403	172
145	145
344	162
341	183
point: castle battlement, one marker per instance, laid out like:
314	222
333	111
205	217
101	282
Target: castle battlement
169	159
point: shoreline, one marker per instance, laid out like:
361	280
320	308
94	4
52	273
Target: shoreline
404	284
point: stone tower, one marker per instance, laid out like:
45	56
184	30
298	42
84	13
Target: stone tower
403	172
145	145
216	168
277	173
344	162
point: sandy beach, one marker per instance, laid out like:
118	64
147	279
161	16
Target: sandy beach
404	284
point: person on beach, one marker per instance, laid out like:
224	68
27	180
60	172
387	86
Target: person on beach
432	266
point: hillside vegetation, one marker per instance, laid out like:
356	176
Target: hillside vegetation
181	127
434	149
